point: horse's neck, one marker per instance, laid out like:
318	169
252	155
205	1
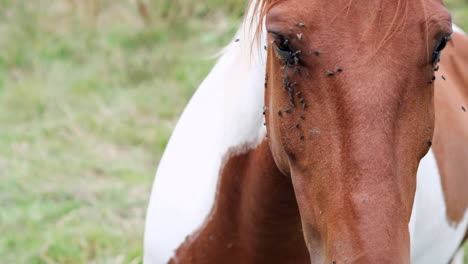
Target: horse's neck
449	145
240	74
254	211
224	113
440	215
255	214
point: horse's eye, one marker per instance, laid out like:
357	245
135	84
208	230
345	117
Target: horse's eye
443	42
281	46
440	47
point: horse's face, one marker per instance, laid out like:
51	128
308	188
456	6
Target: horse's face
350	114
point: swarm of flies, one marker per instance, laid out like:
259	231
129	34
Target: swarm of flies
292	66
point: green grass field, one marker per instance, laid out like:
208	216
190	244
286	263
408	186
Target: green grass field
90	91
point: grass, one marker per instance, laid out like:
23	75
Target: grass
459	10
90	91
89	94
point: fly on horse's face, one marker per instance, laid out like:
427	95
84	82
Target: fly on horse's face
351	82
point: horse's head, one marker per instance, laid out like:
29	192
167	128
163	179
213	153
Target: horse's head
350	114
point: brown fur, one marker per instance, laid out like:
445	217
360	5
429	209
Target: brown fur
255	214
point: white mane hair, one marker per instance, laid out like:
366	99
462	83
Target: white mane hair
225	112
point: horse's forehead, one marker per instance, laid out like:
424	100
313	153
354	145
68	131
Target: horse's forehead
407	31
359	13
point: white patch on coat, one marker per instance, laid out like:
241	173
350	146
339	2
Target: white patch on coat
433	238
457	29
225	111
459	257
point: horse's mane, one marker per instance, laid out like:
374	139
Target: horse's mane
261	7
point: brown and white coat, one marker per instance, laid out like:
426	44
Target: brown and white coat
218	170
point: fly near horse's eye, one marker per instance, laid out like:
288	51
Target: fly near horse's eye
281	45
440	46
283	50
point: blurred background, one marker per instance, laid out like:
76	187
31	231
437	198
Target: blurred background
90	91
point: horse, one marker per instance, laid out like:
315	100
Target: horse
327	132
